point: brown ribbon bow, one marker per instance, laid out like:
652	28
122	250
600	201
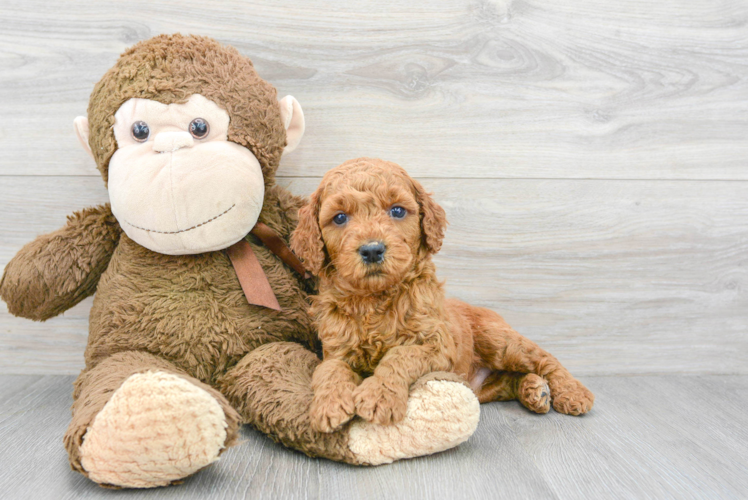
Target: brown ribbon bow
248	269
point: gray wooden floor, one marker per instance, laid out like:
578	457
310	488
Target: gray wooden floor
675	436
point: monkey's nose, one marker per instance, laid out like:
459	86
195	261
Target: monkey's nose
372	253
168	142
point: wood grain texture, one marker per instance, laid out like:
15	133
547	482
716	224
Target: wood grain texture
609	276
647	437
651	437
591	155
530	88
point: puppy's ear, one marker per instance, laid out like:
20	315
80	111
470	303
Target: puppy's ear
306	240
433	219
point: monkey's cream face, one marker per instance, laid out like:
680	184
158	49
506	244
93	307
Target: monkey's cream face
177	185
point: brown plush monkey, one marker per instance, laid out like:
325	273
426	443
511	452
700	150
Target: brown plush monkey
188	138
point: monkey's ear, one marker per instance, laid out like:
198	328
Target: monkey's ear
81	130
293	121
306	240
433	219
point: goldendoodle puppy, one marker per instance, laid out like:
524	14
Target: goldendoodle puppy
369	232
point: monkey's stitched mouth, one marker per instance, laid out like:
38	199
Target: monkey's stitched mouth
183	230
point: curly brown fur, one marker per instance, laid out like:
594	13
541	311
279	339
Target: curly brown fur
56	271
181	314
389	321
272	388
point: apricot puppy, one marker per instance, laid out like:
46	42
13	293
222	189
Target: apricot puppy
369	232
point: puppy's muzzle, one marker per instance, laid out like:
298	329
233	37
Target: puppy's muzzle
372	253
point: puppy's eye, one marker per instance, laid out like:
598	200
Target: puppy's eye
140	131
398	212
199	128
340	219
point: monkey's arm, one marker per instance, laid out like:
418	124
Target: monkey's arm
57	270
281	214
281	211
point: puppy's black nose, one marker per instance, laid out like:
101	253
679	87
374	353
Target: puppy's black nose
372	253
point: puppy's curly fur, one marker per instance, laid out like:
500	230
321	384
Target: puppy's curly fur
385	323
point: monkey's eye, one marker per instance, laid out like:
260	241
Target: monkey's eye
398	212
140	131
340	219
199	128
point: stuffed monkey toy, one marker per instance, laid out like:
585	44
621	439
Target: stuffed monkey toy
199	322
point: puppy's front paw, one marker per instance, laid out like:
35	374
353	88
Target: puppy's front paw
380	403
329	411
573	399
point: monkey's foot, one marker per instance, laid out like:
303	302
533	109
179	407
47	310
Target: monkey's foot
157	428
442	412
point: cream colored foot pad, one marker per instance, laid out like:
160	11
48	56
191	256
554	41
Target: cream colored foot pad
440	415
157	428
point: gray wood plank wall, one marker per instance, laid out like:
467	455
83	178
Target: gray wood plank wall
591	156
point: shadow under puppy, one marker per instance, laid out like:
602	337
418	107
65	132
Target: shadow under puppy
369	232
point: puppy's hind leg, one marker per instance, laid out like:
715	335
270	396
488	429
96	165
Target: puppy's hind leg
529	389
503	349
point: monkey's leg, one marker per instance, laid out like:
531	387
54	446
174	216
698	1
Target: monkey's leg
272	389
531	390
140	422
504	349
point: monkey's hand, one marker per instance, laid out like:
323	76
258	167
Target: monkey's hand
57	270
